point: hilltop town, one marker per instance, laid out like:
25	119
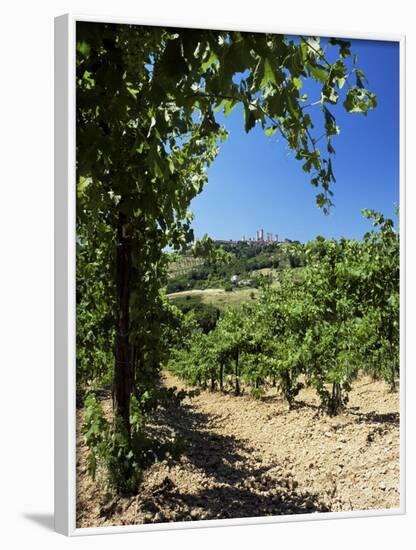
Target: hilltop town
260	239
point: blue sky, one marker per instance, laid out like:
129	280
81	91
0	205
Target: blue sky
255	182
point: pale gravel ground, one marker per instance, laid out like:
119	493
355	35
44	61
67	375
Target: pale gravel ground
249	458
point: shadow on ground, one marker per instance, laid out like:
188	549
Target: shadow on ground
43	520
376	418
236	482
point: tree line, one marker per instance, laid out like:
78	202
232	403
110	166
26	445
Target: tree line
242	260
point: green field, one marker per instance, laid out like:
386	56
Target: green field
214	296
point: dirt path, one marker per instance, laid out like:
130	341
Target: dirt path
246	458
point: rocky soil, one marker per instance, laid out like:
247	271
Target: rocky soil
246	457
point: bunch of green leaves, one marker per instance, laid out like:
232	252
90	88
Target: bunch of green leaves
120	457
120	462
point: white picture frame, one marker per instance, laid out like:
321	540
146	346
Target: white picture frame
65	315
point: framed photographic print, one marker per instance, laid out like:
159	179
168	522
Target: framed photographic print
229	281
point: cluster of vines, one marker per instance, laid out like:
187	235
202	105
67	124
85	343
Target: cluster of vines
335	319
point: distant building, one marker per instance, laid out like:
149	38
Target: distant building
260	239
245	282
